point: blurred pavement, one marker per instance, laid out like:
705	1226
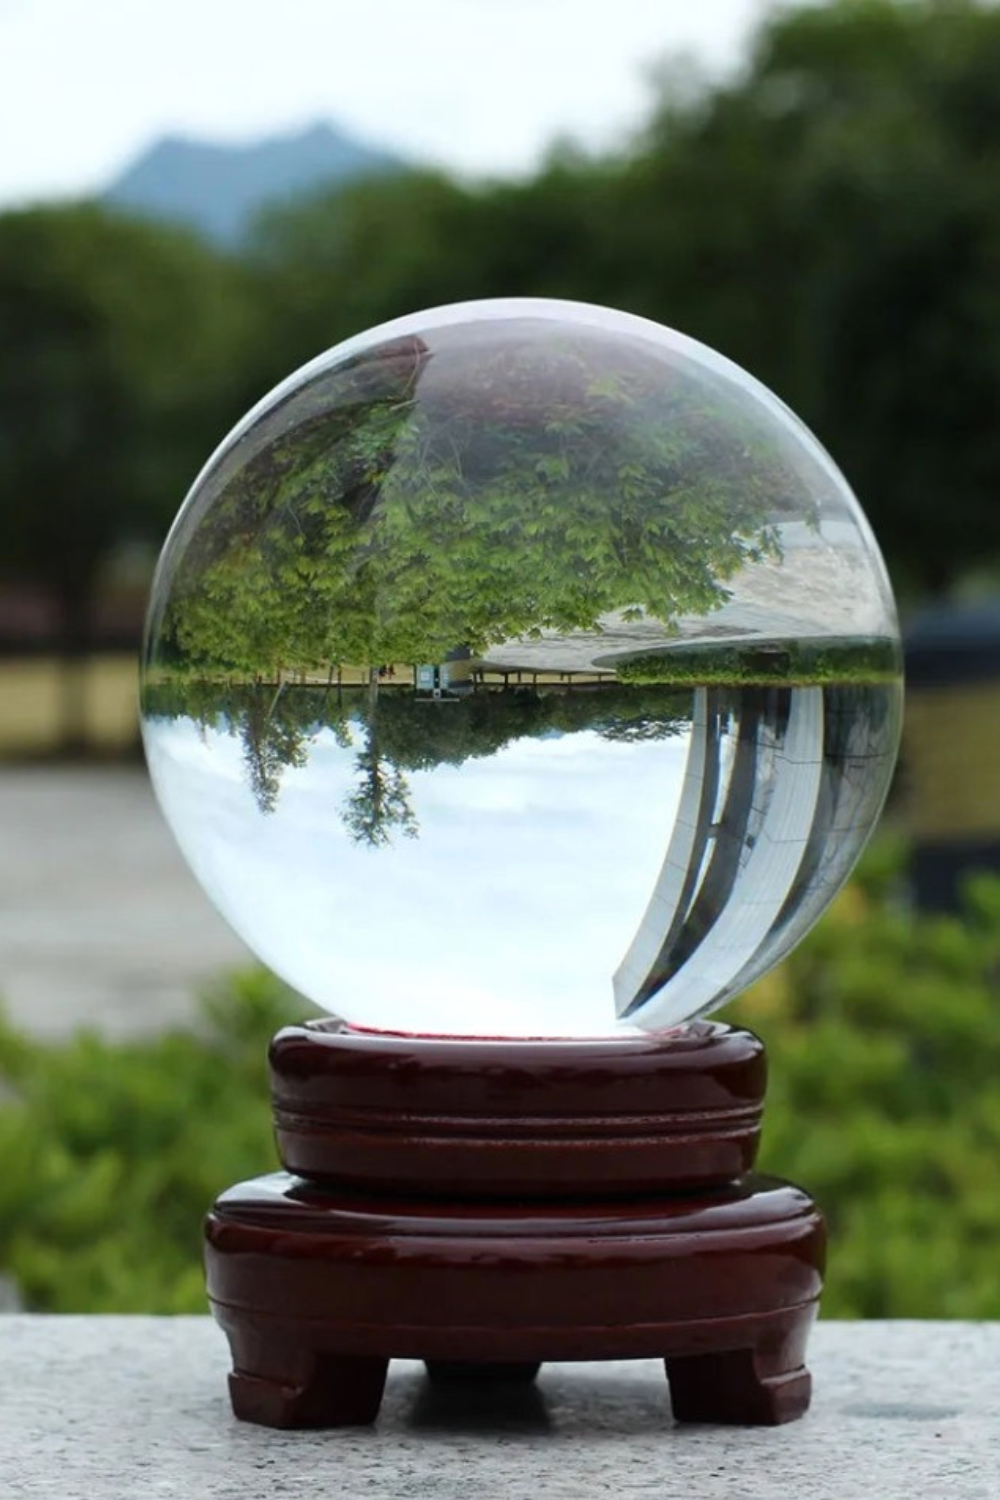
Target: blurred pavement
100	922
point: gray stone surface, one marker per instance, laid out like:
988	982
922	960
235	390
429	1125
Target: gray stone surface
136	1409
101	923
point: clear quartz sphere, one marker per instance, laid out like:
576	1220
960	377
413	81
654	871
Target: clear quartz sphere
521	669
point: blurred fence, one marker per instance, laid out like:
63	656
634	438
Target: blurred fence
951	751
46	703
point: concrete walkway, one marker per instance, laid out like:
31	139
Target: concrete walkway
136	1409
100	922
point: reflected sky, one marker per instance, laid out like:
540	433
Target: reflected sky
519	897
547	888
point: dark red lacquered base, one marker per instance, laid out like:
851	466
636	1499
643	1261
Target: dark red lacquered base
487	1206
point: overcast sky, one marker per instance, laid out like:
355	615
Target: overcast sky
479	85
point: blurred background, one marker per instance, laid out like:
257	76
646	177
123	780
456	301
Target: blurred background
195	201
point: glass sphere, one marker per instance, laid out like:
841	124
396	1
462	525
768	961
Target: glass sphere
521	669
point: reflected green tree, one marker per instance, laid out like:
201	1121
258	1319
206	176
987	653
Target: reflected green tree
512	479
395	733
829	218
380	805
272	742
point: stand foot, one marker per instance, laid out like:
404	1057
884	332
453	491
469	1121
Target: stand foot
736	1388
331	1391
721	1285
462	1372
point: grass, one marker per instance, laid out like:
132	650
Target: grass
767	663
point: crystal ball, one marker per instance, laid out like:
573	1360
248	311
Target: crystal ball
521	669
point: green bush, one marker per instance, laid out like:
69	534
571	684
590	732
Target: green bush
111	1152
883	1033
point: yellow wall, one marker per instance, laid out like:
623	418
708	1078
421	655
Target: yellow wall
951	752
30	695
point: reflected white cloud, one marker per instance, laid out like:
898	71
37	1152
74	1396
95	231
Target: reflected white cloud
553	886
518	898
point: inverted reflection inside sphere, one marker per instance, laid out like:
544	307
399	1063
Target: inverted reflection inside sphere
521	669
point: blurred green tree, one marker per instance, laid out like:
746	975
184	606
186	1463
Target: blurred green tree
335	265
830	220
124	351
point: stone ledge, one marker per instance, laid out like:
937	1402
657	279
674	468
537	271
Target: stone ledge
136	1409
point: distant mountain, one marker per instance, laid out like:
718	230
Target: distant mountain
220	189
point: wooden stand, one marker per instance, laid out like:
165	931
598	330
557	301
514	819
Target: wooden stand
485	1206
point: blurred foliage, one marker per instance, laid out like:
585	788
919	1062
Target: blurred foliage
883	1037
836	228
883	1032
112	1151
124	348
121	360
